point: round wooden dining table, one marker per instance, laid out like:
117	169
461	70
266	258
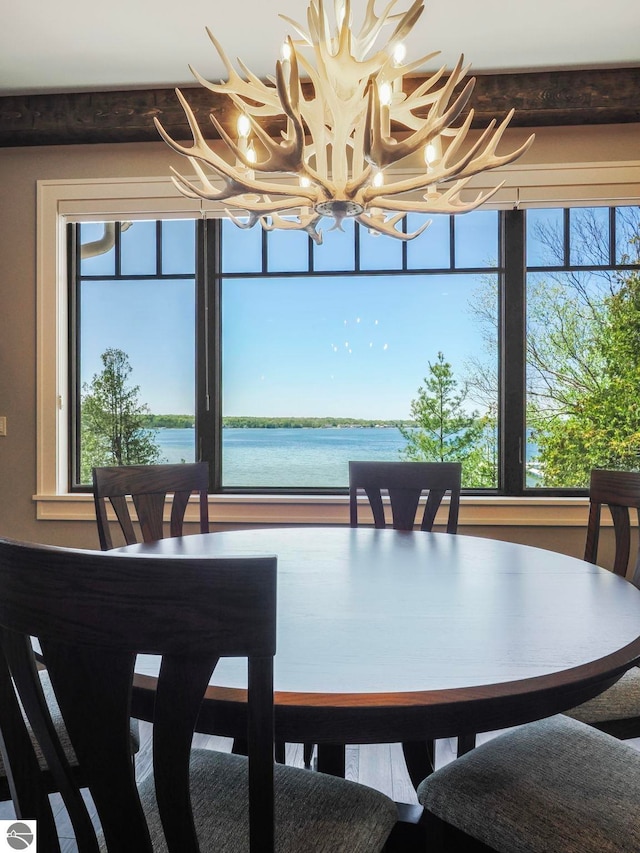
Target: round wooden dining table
387	636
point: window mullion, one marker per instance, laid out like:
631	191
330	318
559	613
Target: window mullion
208	420
513	352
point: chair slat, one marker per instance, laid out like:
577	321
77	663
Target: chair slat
29	794
406	483
620	492
151	487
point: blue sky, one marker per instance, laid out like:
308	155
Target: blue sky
324	346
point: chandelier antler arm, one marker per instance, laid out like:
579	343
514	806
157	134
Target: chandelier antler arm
441	202
378	223
407	21
335	57
234	181
254	89
298	28
373	24
418	63
488	158
290	99
286	156
423	96
265	96
470	164
268	205
383	152
357	184
306	223
232	189
252	219
436	174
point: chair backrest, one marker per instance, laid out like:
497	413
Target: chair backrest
149	486
406	483
620	491
92	612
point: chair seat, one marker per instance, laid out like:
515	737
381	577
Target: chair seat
619	702
555	786
314	812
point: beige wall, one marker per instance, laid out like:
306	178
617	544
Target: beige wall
20	168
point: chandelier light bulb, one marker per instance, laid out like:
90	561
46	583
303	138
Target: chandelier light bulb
429	154
399	53
243	126
285	51
337	132
386	94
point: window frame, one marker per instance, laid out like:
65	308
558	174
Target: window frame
60	202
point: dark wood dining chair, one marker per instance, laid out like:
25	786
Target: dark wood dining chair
405	484
617	710
150	488
553	786
191	611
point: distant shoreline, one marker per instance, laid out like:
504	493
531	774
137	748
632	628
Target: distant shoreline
247	422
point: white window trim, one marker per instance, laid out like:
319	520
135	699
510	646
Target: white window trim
63	201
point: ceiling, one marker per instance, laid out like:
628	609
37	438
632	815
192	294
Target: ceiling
73	46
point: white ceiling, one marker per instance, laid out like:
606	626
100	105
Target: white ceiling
73	45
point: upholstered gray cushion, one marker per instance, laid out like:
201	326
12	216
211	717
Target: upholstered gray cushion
56	718
555	786
315	812
619	702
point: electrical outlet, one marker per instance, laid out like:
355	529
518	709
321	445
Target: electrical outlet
3	425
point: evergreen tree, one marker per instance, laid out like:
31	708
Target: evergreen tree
445	432
112	418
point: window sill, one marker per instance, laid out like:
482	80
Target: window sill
228	510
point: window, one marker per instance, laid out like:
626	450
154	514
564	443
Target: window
583	327
361	335
316	355
360	348
133	329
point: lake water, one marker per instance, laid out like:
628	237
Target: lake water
288	457
310	458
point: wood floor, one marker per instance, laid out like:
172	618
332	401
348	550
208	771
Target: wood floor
380	766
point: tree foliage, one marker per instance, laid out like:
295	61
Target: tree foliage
582	348
112	418
597	421
445	431
583	360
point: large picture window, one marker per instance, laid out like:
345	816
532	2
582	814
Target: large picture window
503	339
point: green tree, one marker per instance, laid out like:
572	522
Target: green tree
445	432
582	351
112	419
597	424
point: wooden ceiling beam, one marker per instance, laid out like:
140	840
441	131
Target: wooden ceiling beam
540	98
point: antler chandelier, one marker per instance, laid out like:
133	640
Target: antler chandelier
337	146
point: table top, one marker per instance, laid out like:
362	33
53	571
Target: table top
427	633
